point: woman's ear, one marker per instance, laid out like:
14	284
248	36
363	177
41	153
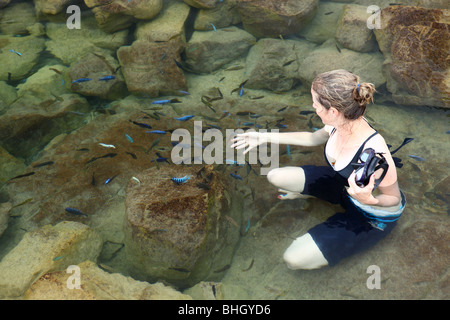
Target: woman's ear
334	111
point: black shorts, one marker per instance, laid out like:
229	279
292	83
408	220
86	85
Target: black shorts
344	233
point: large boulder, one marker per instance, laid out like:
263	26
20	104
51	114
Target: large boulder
273	63
31	122
267	18
168	25
118	15
209	50
352	32
329	56
47	249
19	55
415	43
224	15
70	44
98	67
183	233
150	68
323	25
97	284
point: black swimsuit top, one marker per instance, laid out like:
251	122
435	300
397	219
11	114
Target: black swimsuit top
343	174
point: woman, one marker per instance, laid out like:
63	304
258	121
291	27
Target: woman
340	100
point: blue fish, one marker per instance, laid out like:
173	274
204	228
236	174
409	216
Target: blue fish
142	125
161	158
106	78
129	138
110	179
236	176
81	80
185	118
175	100
76	212
160	102
184	92
181	180
416	157
288	149
248	123
156	131
229	161
14	51
214	27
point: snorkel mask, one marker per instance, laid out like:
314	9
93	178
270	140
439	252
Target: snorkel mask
371	161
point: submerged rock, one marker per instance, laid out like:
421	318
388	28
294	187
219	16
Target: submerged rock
415	43
352	32
224	15
70	44
19	56
117	15
4	216
204	4
105	82
330	57
168	25
44	250
209	50
97	284
273	63
150	69
31	123
267	18
180	233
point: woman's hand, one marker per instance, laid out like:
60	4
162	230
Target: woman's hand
248	140
363	195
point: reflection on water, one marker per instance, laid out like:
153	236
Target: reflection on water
53	116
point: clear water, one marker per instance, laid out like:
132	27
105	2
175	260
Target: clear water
257	270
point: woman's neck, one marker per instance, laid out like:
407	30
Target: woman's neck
349	127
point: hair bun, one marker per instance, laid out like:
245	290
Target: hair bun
363	93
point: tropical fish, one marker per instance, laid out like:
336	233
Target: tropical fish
131	154
407	140
107	145
108	155
76	212
229	161
175	100
129	138
142	125
81	80
236	176
106	78
214	27
205	100
110	179
14	51
416	157
156	131
161	158
181	180
185	118
22	175
47	163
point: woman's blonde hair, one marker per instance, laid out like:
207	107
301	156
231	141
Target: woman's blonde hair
342	90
